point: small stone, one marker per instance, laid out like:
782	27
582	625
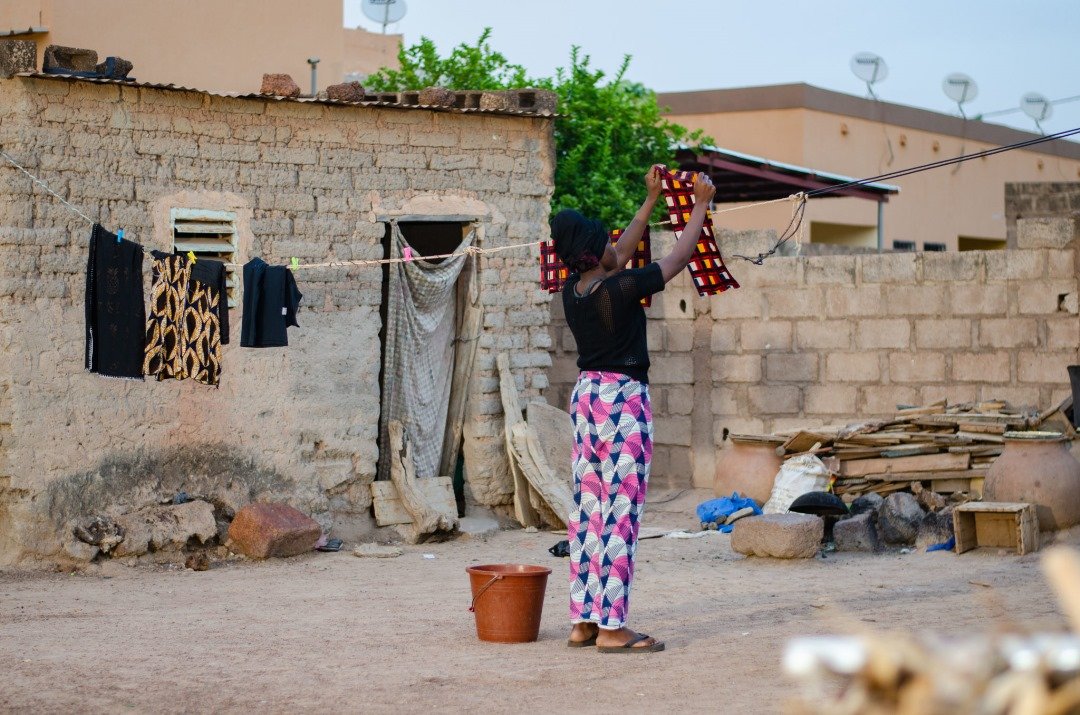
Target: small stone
899	517
437	97
80	551
263	529
865	503
935	528
102	532
279	85
857	533
782	536
346	92
114	68
377	551
17	56
58	57
166	528
198	561
531	530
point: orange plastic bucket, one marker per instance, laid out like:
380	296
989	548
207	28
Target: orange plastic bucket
507	601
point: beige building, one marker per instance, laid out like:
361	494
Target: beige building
223	46
959	207
302	178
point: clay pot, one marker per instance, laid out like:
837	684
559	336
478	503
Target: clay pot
1037	469
748	468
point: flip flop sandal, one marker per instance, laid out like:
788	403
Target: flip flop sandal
628	646
581	644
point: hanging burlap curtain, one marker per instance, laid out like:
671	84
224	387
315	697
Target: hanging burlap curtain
418	364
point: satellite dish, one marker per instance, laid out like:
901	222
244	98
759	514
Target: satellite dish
961	89
1037	107
384	11
870	68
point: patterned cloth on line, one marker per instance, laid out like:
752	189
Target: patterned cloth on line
707	267
183	330
612	452
553	273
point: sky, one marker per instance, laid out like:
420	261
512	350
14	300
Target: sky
1008	47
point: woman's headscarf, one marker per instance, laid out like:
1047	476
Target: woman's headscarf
579	242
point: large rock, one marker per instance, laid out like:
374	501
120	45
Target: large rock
899	517
857	533
17	56
346	92
935	528
781	536
279	85
114	68
866	503
102	532
262	530
166	528
58	57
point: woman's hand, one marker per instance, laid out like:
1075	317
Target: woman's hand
652	179
703	189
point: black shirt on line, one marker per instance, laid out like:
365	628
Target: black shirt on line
609	323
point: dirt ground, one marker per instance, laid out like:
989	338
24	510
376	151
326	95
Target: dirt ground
336	633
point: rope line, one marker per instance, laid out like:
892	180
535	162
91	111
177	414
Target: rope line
45	186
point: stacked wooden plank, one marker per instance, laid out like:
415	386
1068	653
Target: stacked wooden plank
947	448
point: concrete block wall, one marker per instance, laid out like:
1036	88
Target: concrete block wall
305	180
822	340
1039	199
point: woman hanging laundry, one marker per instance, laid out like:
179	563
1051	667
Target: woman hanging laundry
610	410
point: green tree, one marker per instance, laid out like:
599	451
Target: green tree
610	132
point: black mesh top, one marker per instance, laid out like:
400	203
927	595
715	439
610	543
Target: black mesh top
609	323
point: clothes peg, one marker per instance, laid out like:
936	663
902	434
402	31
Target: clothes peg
191	256
295	263
120	235
407	253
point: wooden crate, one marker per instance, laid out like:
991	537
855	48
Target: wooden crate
996	524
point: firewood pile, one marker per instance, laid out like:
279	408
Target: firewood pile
994	674
947	448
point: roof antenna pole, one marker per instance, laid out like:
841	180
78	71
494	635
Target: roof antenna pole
313	61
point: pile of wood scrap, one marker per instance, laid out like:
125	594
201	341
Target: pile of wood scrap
542	493
947	448
995	674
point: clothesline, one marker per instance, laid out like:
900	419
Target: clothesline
468	250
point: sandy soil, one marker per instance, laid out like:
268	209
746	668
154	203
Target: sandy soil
336	633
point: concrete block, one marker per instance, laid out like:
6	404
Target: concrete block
846	301
883	399
823	335
945	333
1015	265
921	367
853	367
976	299
781	536
792	367
896	268
679	336
1046	232
795	303
724	338
736	368
767	335
1062	333
740	303
980	367
949	267
889	333
915	299
17	56
829	270
830	400
1008	333
1044	367
774	399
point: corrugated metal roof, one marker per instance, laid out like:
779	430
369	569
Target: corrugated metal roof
28	31
275	98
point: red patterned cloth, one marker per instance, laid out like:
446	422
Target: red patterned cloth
707	267
553	273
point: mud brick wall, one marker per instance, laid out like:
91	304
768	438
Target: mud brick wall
306	180
829	339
